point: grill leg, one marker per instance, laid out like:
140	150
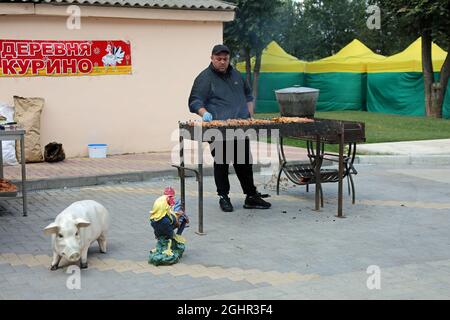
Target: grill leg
341	171
348	184
321	196
200	189
281	162
280	171
353	188
317	172
181	174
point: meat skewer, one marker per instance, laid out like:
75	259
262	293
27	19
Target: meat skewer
249	122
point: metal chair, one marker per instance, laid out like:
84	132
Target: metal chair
302	173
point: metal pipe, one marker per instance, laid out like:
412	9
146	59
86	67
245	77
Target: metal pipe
24	174
317	172
182	172
200	188
341	169
1	160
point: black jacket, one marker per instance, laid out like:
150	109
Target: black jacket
224	95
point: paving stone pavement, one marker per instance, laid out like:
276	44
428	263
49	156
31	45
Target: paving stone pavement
399	223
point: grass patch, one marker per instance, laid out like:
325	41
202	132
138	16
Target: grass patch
382	127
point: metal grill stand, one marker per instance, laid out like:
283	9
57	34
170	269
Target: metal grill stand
319	132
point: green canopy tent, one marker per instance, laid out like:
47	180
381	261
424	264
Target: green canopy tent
342	78
278	70
395	85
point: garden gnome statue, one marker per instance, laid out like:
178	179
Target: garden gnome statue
166	216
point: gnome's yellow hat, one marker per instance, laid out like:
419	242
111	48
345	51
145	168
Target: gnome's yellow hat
160	208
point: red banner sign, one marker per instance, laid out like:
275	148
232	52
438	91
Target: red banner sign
25	58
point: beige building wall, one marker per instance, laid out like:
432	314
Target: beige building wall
131	113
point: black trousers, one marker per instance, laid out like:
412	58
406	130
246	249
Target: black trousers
238	152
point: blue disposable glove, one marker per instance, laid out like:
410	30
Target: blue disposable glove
207	117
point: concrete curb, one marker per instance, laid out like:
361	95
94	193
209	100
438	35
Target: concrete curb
84	181
429	160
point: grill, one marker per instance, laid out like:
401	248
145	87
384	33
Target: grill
316	132
327	130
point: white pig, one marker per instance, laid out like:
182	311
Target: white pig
74	230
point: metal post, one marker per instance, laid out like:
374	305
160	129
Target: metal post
182	177
1	160
341	169
200	186
24	174
318	164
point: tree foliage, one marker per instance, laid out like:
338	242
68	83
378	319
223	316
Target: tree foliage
257	22
255	25
430	19
320	28
314	29
323	27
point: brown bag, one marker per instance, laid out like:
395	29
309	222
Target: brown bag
28	116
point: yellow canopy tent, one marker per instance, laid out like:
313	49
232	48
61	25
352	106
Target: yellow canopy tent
341	78
409	60
278	70
396	85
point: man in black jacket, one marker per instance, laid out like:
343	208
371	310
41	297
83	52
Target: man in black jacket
220	93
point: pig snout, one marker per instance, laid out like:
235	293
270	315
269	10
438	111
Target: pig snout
74	256
71	253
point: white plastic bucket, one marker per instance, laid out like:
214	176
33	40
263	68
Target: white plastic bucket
97	150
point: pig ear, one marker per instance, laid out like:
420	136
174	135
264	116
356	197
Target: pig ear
81	223
51	228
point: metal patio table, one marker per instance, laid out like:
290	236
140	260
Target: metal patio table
15	134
